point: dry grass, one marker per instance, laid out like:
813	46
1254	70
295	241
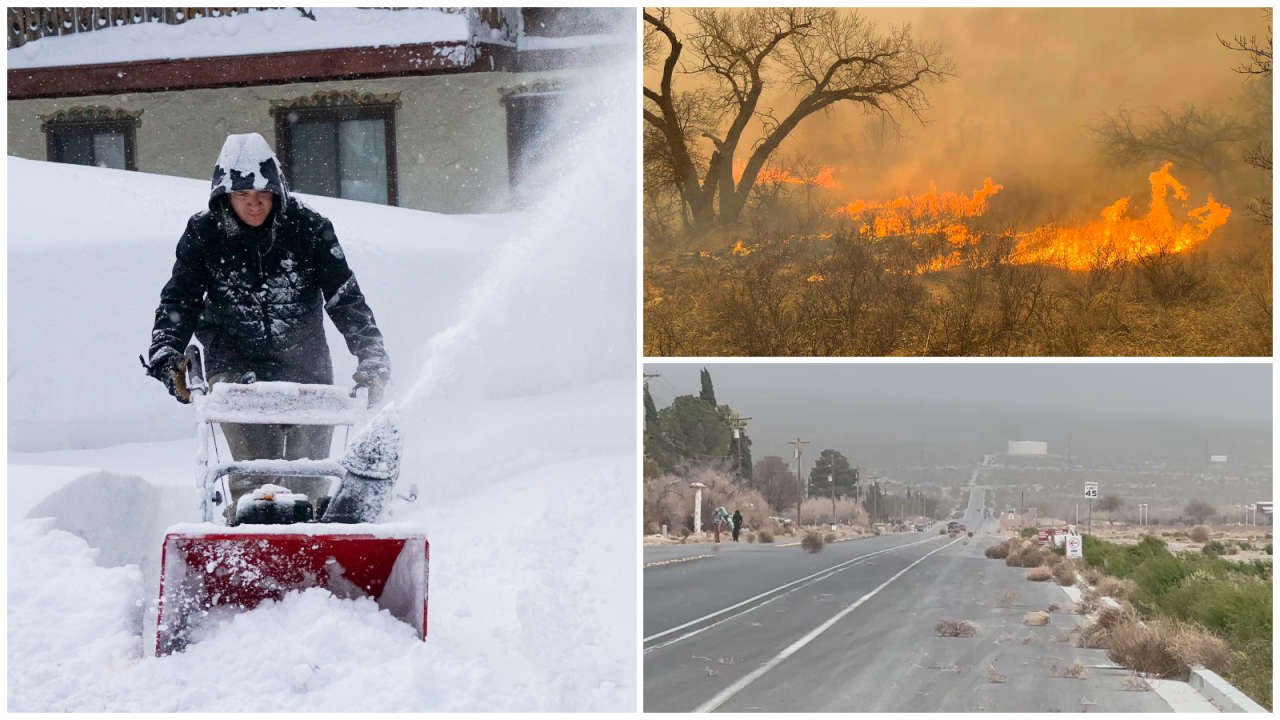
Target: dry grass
1039	574
1200	533
1115	587
998	552
1065	573
1075	671
829	538
1098	633
1091	575
995	676
1036	618
765	536
1007	599
812	542
1167	647
955	628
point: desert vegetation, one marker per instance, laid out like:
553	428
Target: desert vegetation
751	251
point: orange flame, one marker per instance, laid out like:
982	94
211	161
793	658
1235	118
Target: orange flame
824	178
1117	237
1114	238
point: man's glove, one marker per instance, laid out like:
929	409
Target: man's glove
373	373
167	367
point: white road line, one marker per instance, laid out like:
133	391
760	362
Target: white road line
725	695
753	608
735	606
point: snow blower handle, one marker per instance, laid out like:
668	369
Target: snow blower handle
192	371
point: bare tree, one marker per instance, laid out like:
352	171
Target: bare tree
1194	138
1257	64
822	56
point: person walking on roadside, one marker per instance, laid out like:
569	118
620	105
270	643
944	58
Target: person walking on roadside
737	524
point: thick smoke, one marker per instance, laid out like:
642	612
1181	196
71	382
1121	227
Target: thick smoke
1029	84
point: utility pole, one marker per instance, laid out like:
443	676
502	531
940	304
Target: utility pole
831	478
738	424
799	483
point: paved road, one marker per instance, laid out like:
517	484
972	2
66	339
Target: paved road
851	629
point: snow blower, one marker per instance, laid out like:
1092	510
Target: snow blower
275	541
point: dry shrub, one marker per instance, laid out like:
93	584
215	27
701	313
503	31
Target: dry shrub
812	542
789	530
1065	574
997	552
1036	617
1135	683
942	531
1200	534
829	538
1075	671
651	528
1039	574
970	534
1098	633
1115	587
1007	599
749	536
848	512
1088	603
995	676
1195	646
955	628
765	536
668	500
1143	649
1091	575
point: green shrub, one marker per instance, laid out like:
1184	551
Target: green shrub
1268	548
1029	532
1214	547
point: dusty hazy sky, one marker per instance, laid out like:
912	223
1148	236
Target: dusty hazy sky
1029	82
828	403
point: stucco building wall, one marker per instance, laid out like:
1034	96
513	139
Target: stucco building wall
451	130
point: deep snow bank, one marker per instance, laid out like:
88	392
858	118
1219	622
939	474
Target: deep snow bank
84	283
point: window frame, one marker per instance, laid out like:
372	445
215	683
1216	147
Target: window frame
127	126
335	114
515	160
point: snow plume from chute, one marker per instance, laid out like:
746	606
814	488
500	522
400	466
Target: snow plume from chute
558	297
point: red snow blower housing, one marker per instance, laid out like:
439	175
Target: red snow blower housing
275	541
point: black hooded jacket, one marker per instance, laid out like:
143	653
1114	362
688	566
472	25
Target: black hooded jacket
254	296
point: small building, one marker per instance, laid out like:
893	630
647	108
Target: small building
1028	447
433	109
1217	458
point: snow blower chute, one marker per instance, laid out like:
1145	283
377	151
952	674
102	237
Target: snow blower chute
275	541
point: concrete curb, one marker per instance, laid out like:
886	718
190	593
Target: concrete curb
1222	693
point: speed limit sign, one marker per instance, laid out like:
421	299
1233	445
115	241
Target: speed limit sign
1091	489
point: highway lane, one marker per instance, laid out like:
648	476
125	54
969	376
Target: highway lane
861	637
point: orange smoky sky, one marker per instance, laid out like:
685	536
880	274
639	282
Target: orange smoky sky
1028	84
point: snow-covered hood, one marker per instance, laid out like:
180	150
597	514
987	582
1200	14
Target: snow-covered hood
247	163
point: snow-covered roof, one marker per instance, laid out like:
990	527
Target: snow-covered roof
254	33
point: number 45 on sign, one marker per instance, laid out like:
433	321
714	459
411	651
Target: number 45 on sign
1091	489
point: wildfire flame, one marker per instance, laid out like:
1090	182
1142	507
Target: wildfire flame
823	178
1117	237
1112	239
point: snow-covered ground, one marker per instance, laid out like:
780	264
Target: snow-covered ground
512	340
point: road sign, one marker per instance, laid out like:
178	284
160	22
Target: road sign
1043	537
1091	489
1075	547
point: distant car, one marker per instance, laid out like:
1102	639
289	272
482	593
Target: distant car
920	527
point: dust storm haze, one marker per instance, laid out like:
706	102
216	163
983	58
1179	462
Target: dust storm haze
1028	84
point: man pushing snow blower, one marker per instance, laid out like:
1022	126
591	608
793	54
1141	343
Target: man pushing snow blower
253	275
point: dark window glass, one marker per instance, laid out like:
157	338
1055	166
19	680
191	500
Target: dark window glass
340	152
569	21
530	117
100	144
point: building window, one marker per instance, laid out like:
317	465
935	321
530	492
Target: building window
530	120
570	21
91	137
345	151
